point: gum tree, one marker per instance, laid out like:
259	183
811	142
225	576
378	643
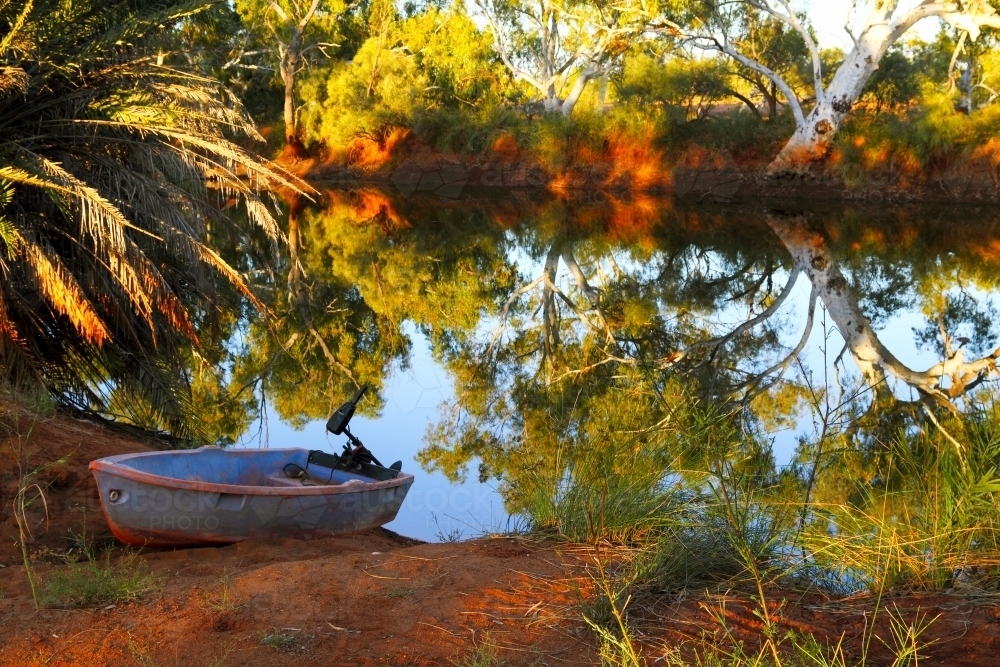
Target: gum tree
548	43
773	44
295	29
873	25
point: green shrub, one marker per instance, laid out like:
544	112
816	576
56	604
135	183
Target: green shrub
432	63
689	87
904	146
927	520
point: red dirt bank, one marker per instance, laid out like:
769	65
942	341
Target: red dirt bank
377	599
628	165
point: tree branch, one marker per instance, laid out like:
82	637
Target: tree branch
498	39
789	18
782	366
719	341
972	17
304	21
277	9
712	44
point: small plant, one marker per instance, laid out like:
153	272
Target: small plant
453	535
482	654
280	641
140	654
97	581
82	542
22	500
906	643
28	492
226	600
606	617
401	592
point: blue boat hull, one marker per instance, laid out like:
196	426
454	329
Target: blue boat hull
217	496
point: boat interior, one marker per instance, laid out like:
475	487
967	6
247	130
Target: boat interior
243	467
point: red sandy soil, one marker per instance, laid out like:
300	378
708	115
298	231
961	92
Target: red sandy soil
381	599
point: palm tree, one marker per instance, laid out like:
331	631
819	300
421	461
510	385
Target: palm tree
114	167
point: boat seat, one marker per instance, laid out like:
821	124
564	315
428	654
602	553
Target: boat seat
281	480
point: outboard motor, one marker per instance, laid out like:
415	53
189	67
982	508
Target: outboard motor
356	457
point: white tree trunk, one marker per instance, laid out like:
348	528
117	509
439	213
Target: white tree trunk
291	60
551	101
289	80
812	256
578	87
814	137
602	94
885	24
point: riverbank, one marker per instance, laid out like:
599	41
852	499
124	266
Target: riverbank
383	599
623	164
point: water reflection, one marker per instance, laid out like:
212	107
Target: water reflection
612	347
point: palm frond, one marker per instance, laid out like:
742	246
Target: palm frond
61	290
16	26
112	169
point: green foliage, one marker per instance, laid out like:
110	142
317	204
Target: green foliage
217	44
434	60
926	521
606	616
614	489
98	581
226	600
741	134
401	592
905	146
831	60
368	278
962	316
894	84
775	45
262	17
114	270
690	87
483	653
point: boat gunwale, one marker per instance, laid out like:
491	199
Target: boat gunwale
109	465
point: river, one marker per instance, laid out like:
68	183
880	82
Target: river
510	336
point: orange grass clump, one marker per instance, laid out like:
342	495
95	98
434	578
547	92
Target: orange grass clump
505	149
373	153
362	206
625	162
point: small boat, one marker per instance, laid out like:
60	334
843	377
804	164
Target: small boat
218	496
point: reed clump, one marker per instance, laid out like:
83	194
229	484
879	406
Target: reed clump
871	510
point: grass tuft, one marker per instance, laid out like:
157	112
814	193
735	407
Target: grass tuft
483	654
226	599
400	592
97	581
281	641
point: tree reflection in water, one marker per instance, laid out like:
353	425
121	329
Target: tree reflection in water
619	359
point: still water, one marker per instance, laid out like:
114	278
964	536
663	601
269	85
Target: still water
509	336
